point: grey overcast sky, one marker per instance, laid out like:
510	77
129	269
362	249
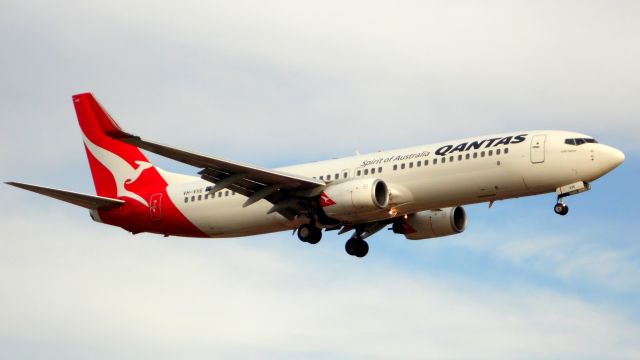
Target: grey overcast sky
280	82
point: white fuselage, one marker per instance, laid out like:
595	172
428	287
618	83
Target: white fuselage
464	174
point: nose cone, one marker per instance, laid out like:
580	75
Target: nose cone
613	158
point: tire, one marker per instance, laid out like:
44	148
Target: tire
316	236
363	249
351	247
309	234
357	247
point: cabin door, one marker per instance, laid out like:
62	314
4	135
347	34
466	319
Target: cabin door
537	148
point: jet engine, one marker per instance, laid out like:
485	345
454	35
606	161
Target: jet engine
432	223
352	200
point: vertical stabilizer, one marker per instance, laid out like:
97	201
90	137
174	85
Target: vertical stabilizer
119	170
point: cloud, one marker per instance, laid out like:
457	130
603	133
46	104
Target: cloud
344	73
287	82
264	296
572	256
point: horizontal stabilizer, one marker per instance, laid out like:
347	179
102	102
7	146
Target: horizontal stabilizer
84	200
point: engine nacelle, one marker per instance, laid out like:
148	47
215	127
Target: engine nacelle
351	200
432	223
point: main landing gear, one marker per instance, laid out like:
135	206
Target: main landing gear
309	233
356	246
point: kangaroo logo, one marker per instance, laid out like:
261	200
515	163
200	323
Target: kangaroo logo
325	200
122	172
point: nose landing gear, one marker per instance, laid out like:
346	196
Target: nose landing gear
561	208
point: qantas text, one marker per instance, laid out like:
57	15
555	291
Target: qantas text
486	143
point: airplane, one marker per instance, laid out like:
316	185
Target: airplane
419	192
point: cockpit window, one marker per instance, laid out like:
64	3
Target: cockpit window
580	141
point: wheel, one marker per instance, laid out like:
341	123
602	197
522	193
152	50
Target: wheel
363	249
357	247
316	235
309	234
351	246
561	209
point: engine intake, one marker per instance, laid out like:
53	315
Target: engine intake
351	200
432	223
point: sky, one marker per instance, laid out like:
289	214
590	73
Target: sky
284	82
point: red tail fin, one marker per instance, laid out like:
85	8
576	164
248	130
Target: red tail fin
118	169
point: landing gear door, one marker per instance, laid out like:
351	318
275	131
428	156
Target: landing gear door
537	148
155	207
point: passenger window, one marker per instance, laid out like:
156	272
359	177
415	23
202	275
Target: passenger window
379	169
426	163
411	165
233	193
366	171
460	157
498	152
328	177
199	197
193	198
475	155
435	161
226	193
373	171
482	154
451	158
395	167
467	156
506	151
359	172
186	199
345	175
402	166
206	196
443	160
490	152
321	177
220	194
419	163
337	176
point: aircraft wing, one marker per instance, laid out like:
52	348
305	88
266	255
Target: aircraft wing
283	190
84	200
218	169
